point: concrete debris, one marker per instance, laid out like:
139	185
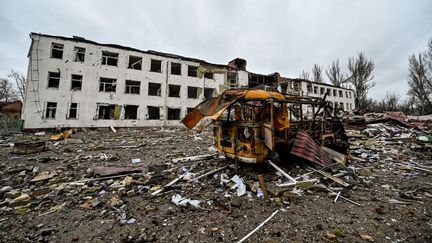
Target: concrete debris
239	185
85	188
181	201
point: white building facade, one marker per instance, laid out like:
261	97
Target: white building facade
338	97
73	82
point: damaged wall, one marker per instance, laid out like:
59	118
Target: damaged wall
92	64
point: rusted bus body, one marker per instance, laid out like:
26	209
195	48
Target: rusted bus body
254	126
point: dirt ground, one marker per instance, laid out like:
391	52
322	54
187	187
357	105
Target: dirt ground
392	183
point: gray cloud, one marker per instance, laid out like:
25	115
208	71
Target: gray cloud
282	36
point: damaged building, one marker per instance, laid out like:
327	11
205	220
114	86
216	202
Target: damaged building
75	82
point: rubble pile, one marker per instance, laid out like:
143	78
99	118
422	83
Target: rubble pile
158	184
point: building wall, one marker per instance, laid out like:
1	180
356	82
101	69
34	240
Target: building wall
89	96
346	97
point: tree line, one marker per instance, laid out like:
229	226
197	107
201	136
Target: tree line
360	78
13	87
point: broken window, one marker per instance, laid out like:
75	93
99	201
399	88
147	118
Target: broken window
130	112
328	92
176	68
346	94
283	88
208	92
156	66
173	90
341	105
322	90
347	106
315	88
173	113
192	71
192	92
107	85
154	89
79	54
334	92
341	94
56	51
208	75
76	83
232	79
51	109
109	112
53	80
73	111
132	87
349	93
109	58
106	112
296	87
309	88
153	113
135	62
350	106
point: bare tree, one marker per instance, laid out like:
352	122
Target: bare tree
420	80
361	75
317	74
407	106
334	74
390	102
7	91
20	82
304	75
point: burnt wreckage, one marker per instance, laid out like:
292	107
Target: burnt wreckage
254	126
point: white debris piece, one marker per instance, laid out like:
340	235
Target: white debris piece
239	184
260	193
134	161
297	191
183	202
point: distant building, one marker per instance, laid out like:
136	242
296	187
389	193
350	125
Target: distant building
74	82
10	110
339	97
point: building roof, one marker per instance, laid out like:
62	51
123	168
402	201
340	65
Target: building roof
150	52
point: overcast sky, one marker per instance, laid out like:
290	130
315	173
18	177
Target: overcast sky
273	36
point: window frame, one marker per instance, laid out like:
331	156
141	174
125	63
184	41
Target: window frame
136	115
179	68
130	87
151	65
109	55
76	80
197	95
77	51
49	77
192	73
57	49
113	84
139	60
148	113
159	93
68	117
174	86
177	109
47	109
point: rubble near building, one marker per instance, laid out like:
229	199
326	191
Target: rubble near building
168	184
